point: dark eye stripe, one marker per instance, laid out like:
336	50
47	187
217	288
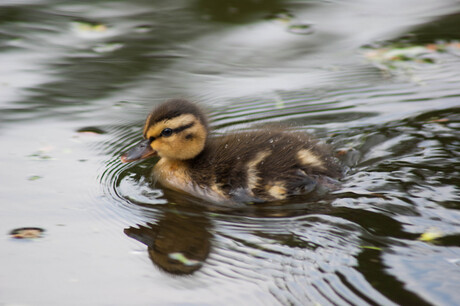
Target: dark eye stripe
176	130
184	127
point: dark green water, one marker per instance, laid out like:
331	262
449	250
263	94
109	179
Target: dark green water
378	80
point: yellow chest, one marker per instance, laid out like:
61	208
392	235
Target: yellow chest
174	175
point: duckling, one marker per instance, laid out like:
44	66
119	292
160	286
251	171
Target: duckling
256	166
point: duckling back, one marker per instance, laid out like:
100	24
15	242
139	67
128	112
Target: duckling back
263	165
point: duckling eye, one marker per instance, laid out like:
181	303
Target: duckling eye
166	132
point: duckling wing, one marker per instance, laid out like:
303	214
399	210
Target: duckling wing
264	165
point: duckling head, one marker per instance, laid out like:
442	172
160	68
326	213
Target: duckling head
175	130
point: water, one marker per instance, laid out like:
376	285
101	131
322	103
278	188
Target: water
377	80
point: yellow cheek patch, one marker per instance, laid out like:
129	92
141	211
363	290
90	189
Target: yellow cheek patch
307	157
179	145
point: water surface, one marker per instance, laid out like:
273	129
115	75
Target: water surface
376	80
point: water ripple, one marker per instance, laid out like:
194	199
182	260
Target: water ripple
305	252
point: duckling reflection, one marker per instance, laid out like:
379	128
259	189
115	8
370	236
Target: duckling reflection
178	244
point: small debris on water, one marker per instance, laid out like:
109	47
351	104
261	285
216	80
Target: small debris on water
370	247
145	28
301	28
440	120
283	16
431	234
292	24
91	130
107	47
393	55
27	233
80	26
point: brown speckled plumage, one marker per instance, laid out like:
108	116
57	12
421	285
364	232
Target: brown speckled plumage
262	165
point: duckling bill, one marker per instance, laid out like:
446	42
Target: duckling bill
249	166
